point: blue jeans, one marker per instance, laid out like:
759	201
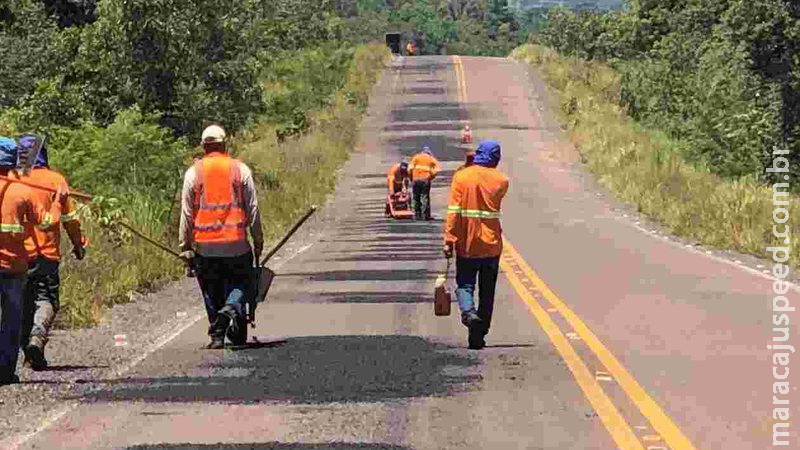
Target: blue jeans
11	287
485	270
224	281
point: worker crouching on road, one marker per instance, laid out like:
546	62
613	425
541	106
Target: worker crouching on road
16	211
424	168
398	180
219	204
474	233
42	242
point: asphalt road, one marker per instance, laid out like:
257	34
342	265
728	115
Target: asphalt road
605	335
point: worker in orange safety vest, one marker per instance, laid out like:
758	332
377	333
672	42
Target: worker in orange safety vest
219	206
398	180
411	48
473	232
424	168
16	211
42	242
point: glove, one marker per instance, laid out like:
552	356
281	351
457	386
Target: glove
257	249
448	250
187	256
80	250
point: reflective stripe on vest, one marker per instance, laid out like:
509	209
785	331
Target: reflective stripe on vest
473	213
219	216
11	228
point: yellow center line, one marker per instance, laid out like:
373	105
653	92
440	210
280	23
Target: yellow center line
520	273
660	421
616	425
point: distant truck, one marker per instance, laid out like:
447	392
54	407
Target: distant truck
393	42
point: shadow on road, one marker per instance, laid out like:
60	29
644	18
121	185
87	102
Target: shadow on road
269	446
363	275
310	370
363	297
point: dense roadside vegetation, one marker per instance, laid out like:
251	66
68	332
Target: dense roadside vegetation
463	27
124	88
678	105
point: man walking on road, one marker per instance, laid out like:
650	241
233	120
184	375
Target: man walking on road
16	210
42	242
219	204
474	233
424	168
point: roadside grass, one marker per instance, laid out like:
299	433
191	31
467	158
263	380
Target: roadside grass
291	176
647	169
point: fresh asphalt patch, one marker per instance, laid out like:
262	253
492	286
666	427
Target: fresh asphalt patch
311	370
269	446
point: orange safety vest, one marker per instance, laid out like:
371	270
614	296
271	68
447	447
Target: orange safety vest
423	167
16	210
44	239
473	212
218	214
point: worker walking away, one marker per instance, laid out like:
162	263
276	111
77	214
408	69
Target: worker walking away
424	168
473	233
42	243
219	205
16	210
398	181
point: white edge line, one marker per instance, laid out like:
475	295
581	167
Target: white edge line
15	442
51	419
713	257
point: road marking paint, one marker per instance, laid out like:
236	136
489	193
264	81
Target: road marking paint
660	421
552	310
573	336
616	425
651	438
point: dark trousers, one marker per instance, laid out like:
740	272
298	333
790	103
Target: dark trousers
11	286
40	300
422	199
224	281
485	270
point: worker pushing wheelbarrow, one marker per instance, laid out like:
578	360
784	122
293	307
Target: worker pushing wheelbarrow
398	201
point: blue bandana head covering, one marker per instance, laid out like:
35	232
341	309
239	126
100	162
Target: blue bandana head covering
26	142
426	150
8	152
488	154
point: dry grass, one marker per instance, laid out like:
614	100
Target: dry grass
646	168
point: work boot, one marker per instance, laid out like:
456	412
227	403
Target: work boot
34	354
216	343
470	318
476	337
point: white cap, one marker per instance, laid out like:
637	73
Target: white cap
214	133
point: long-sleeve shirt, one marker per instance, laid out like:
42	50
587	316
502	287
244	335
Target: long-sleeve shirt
249	205
16	212
44	239
424	167
473	212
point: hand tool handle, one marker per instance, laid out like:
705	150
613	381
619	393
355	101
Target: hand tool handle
149	239
288	235
75	194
